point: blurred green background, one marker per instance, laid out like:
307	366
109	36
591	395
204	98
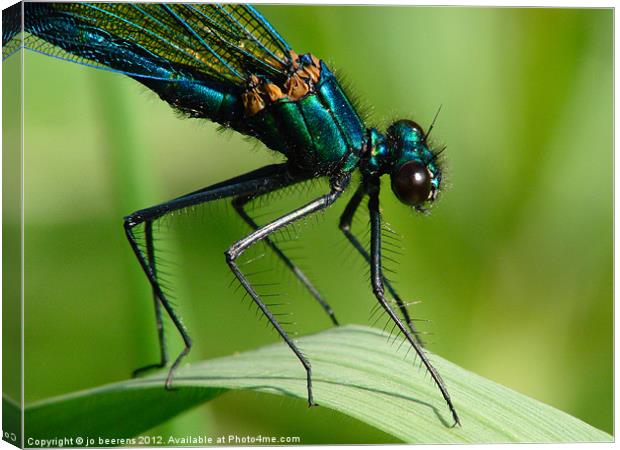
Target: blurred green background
514	265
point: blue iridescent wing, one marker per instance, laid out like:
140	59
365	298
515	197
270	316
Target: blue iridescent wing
11	27
225	43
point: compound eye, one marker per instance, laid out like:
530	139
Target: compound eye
412	183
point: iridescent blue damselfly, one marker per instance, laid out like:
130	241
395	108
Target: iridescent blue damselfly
227	64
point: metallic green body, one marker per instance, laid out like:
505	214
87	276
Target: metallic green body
320	131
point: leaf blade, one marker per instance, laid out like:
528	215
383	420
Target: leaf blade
356	371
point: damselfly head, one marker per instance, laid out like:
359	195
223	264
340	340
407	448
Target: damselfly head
414	170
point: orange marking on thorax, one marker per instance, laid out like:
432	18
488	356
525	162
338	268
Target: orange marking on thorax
299	84
295	87
272	91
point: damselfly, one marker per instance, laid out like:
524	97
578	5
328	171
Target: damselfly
226	63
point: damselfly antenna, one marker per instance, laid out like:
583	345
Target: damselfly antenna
432	124
438	152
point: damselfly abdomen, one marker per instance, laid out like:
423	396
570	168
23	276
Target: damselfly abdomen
227	64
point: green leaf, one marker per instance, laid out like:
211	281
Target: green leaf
356	371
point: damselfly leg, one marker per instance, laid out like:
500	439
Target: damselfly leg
346	220
376	278
337	186
239	205
150	257
258	182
